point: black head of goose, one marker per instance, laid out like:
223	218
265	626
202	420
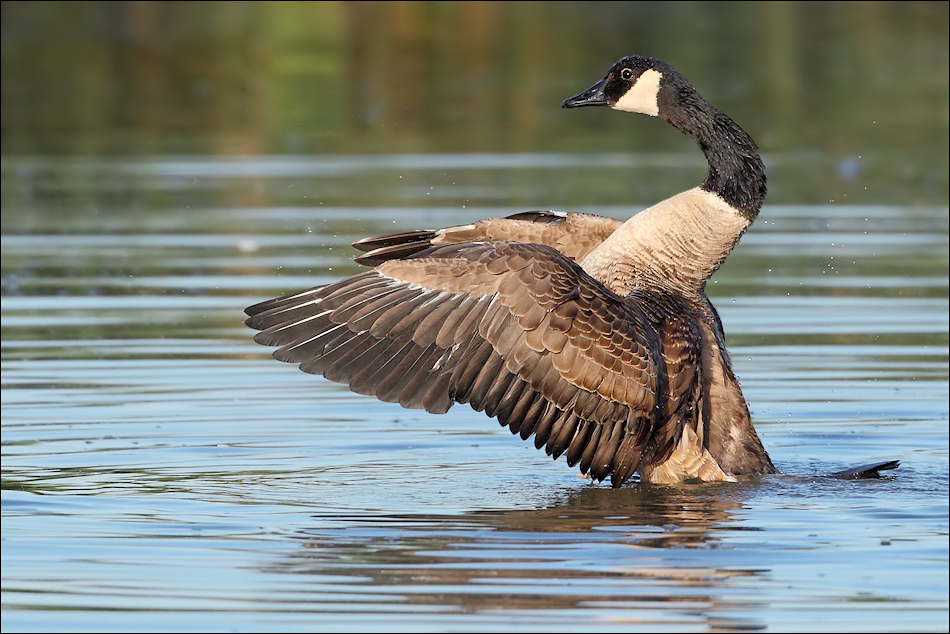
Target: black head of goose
650	86
684	239
591	335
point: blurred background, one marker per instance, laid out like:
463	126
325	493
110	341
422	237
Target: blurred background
847	99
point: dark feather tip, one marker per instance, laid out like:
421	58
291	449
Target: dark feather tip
866	471
368	244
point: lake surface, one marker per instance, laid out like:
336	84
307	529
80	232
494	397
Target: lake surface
161	471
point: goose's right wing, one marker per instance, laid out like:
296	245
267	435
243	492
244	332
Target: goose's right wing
575	235
517	330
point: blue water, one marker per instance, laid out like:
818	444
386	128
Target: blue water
161	471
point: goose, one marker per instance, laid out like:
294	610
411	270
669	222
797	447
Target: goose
592	336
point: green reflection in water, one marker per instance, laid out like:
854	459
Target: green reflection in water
849	99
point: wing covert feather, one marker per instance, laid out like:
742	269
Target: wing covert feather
573	234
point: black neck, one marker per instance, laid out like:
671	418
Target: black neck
736	173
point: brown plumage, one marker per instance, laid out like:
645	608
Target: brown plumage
593	336
517	330
574	235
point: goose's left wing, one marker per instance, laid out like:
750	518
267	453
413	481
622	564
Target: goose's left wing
573	234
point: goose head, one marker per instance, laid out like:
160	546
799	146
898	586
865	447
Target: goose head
653	87
634	84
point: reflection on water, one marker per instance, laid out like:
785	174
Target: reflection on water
852	96
156	459
625	557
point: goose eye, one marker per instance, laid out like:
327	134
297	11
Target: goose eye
626	74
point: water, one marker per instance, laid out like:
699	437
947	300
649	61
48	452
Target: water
155	458
165	165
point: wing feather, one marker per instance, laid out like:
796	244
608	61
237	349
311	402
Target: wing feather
575	235
517	330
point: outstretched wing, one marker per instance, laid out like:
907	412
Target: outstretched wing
517	330
575	235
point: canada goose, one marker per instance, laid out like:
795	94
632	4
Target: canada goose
592	335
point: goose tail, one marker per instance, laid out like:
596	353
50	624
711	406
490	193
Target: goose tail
872	470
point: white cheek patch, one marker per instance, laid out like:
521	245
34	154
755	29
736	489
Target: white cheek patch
642	95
